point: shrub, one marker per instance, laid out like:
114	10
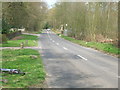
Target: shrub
3	38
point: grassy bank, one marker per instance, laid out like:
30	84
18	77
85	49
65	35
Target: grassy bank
106	47
28	40
39	32
21	59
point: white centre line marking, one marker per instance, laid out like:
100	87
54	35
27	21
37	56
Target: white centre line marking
82	57
57	43
65	48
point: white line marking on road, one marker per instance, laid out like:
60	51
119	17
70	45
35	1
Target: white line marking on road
118	76
53	41
82	57
65	48
57	43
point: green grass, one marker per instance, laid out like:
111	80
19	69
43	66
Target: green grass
106	47
32	41
38	32
20	59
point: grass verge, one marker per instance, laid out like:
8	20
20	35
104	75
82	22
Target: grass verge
28	40
106	47
20	59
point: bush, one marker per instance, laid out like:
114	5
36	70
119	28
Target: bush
13	34
3	38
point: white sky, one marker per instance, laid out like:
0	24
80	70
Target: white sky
51	2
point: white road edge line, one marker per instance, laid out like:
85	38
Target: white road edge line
65	48
82	57
57	43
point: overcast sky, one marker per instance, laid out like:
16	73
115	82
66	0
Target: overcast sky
51	2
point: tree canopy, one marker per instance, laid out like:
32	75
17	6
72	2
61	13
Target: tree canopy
86	20
29	15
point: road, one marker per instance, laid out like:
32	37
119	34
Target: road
73	66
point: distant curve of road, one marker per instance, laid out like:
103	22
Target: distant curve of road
69	65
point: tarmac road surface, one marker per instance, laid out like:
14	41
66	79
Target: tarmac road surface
73	66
